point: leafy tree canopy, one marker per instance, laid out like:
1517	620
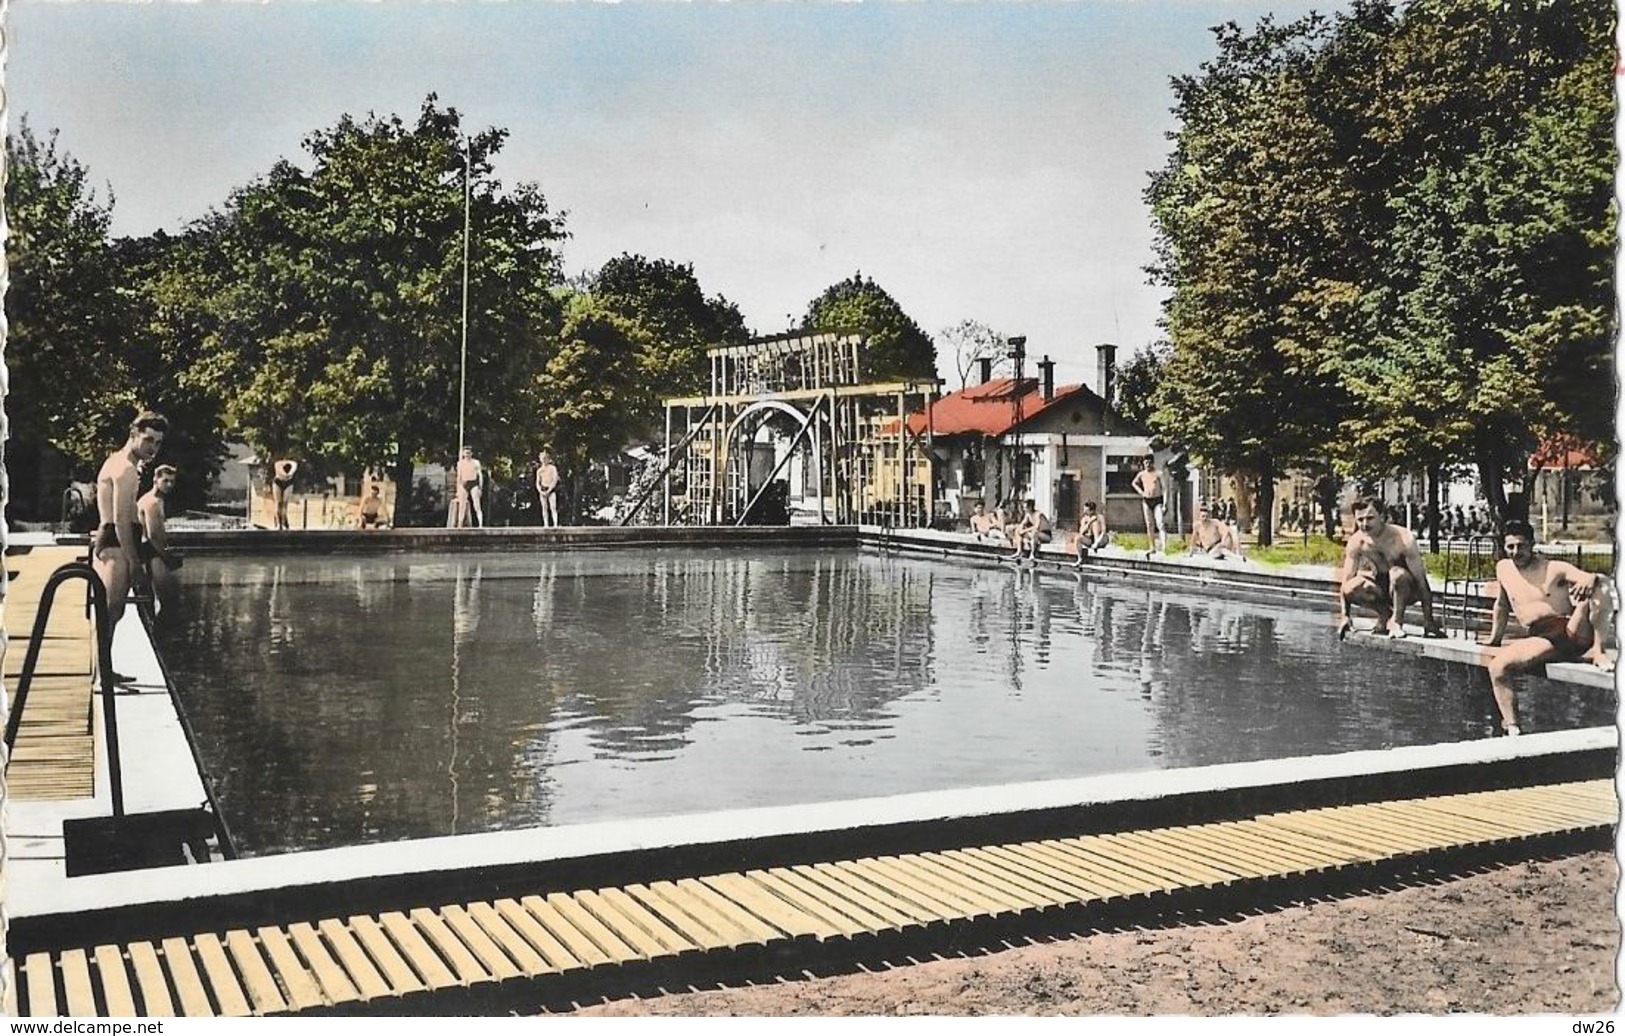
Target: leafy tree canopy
665	298
897	347
330	299
70	385
1389	237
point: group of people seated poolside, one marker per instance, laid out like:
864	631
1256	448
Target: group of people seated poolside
1027	530
1568	614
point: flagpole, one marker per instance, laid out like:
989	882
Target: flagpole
462	367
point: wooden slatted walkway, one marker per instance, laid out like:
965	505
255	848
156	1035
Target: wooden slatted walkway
54	757
368	962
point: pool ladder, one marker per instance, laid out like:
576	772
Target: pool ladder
122	841
1464	584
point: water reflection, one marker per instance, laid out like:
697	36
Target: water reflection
368	699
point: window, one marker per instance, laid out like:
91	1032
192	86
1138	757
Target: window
1120	471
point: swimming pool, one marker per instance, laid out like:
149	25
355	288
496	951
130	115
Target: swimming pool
341	700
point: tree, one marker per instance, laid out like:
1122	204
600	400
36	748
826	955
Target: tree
1136	382
598	397
1494	321
1240	214
70	386
1390	238
969	341
665	299
897	347
163	348
331	298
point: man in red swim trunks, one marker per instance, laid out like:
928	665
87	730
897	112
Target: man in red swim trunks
1567	612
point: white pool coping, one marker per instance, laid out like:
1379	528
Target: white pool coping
158	773
473	852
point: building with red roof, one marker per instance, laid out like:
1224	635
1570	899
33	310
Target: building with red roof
1002	440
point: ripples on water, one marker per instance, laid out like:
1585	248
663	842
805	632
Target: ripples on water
345	700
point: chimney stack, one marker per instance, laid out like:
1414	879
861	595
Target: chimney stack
984	365
1105	370
1046	374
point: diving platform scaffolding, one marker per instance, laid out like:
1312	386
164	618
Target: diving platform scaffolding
861	462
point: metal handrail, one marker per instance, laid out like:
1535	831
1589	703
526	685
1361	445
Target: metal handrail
1466	580
104	663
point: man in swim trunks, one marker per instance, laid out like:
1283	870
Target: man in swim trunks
982	523
160	559
1568	613
1092	533
372	509
1148	484
1033	529
1212	538
468	489
1382	569
547	489
281	484
115	549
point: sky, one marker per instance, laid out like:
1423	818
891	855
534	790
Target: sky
979	160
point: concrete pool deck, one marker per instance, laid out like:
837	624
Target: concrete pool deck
509	920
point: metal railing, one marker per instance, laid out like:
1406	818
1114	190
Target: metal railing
104	666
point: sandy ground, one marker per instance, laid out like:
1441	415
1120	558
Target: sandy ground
1532	937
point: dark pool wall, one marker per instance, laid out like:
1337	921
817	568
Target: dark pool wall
349	699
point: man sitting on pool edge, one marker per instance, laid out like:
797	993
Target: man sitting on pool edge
1033	529
1382	569
1568	613
1213	538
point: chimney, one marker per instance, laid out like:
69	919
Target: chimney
1105	370
984	368
1046	374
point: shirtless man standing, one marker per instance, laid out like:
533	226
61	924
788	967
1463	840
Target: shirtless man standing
282	473
1568	613
115	548
1213	538
161	561
468	489
1148	484
547	489
1382	569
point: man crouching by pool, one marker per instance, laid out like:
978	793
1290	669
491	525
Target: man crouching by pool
1382	570
1567	612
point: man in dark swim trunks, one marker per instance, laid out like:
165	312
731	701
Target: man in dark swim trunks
468	490
282	473
115	549
160	559
1382	570
1568	613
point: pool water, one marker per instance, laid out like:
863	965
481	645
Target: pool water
347	700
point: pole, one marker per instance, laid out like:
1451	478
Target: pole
462	365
